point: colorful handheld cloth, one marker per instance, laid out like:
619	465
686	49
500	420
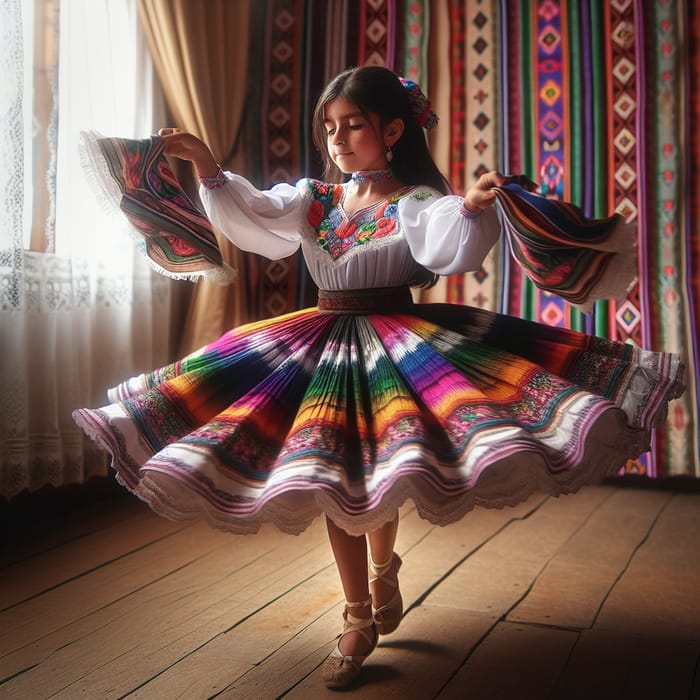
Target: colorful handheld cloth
135	179
564	252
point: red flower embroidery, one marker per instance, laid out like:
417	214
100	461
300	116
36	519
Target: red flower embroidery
179	246
345	230
132	170
385	226
315	215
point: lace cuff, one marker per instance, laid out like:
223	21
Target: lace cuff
469	213
213	183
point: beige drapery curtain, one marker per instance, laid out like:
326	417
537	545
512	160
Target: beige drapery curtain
200	51
439	89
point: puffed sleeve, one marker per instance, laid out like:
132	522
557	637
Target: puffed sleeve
441	238
266	222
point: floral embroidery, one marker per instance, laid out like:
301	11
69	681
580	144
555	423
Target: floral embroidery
315	213
179	246
345	230
385	226
335	233
158	422
421	196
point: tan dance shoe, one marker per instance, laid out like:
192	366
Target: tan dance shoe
387	617
339	670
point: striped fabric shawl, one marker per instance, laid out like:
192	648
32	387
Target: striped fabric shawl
132	177
565	253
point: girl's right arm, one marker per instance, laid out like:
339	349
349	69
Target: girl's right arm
182	144
263	222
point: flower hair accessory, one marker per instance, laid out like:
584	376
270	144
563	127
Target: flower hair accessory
421	109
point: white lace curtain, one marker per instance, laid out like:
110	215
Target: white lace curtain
79	311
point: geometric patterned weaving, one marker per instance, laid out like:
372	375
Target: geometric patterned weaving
473	128
571	117
596	101
277	279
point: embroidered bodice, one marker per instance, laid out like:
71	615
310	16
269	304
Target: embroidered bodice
382	245
339	233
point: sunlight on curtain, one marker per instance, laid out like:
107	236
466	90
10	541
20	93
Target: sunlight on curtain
79	311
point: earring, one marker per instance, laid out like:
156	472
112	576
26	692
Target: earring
389	155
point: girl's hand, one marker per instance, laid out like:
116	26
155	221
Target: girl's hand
481	195
182	144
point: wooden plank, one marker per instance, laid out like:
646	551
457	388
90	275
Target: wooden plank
24	540
132	665
444	548
291	662
254	617
573	585
114	627
499	574
200	674
194	590
30	577
263	634
280	562
514	661
619	664
658	591
33	620
415	663
427	559
195	624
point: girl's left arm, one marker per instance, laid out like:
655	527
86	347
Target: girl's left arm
443	235
450	234
482	194
266	222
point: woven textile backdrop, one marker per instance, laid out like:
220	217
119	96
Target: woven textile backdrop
595	100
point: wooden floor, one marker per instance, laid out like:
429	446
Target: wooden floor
595	595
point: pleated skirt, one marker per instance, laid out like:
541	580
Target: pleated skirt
352	414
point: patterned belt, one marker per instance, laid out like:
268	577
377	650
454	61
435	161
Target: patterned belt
380	300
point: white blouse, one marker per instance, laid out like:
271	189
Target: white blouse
430	231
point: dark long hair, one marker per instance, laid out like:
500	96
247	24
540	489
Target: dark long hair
377	90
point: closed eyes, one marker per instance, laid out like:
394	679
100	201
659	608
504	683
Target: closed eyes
352	127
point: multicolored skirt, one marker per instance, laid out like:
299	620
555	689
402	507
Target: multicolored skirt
349	413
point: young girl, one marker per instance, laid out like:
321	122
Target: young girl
353	407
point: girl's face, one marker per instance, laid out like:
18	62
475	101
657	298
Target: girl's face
355	142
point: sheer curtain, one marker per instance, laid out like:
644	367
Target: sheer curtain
79	310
